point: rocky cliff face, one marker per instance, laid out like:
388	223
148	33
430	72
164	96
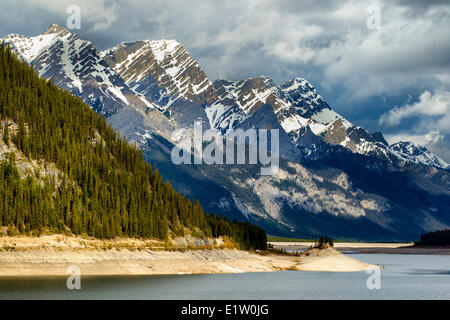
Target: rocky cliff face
304	97
246	97
162	70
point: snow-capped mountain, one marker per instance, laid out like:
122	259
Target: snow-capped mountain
304	97
335	178
417	154
164	72
302	113
160	74
309	104
161	70
75	65
238	100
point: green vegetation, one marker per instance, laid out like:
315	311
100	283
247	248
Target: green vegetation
102	187
437	238
248	235
324	242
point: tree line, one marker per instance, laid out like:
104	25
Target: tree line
437	238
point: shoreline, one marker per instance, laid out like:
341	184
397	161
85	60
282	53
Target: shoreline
25	256
369	248
226	261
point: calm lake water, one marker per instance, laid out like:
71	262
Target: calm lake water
404	277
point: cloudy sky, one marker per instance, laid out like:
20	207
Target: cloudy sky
382	64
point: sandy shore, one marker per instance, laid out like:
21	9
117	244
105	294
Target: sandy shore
25	259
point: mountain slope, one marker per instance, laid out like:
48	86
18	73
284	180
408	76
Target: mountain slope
94	182
339	193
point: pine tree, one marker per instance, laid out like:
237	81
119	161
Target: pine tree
6	134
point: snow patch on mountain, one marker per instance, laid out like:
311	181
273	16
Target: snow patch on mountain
246	97
29	48
327	116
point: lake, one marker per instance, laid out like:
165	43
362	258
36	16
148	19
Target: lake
404	277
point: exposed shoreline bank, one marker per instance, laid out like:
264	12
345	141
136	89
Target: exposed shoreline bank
27	258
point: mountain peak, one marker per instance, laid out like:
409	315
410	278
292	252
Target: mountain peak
54	28
296	84
418	154
305	98
299	80
161	69
164	42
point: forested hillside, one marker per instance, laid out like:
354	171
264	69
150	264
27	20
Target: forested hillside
100	186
